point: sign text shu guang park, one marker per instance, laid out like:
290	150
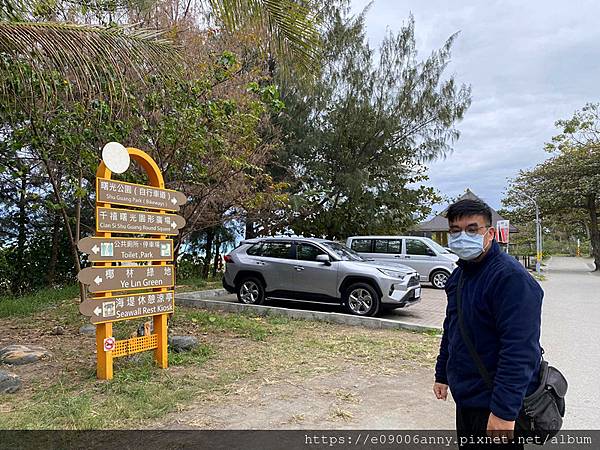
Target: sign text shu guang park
131	254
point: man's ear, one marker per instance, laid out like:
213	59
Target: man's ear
493	231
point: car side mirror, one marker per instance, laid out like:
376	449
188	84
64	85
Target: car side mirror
324	259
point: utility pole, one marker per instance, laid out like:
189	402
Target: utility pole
538	235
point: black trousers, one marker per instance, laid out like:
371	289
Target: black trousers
471	429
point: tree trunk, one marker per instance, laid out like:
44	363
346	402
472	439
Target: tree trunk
217	257
63	209
54	250
594	232
55	241
250	230
18	278
210	234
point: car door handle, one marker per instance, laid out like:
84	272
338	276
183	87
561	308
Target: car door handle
398	256
407	257
260	263
298	268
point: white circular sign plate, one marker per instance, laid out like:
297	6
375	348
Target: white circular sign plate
116	157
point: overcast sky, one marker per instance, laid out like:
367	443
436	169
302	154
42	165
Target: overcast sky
529	63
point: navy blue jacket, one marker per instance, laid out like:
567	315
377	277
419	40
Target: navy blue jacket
502	305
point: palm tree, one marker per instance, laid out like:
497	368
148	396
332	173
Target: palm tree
291	26
93	56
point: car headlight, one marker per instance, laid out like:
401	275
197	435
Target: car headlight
393	273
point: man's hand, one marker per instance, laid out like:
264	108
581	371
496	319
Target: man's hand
440	390
500	429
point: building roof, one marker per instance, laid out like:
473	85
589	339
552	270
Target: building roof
440	223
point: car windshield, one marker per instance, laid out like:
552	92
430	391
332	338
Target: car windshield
342	252
437	247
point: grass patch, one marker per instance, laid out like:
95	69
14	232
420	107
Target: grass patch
196	357
278	320
114	404
139	391
198	284
432	332
256	328
37	301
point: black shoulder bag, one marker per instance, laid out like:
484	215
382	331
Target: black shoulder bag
542	411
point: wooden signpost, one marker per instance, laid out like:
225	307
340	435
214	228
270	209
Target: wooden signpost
126	278
129	194
126	249
121	265
136	222
123	307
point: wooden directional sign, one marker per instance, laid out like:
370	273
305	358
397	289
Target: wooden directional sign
137	222
128	277
126	249
123	278
123	307
137	195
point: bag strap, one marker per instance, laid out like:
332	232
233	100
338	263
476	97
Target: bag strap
474	355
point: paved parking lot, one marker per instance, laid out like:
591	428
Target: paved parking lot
429	312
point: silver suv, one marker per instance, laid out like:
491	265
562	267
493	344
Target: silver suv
317	270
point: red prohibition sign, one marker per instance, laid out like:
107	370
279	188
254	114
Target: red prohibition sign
109	344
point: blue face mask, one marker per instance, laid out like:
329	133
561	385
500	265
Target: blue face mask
465	246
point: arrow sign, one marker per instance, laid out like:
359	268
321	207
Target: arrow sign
126	249
137	222
124	278
123	307
138	195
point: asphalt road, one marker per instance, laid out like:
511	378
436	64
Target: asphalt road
571	335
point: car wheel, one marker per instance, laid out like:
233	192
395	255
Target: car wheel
361	299
250	291
439	278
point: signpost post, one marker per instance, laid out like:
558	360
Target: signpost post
121	265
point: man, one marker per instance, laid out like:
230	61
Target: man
501	305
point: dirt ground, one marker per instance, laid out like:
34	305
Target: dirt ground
351	398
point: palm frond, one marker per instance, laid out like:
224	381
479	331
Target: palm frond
292	26
11	9
93	58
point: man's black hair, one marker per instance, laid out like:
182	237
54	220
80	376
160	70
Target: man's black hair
468	207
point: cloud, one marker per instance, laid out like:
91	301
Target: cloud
528	63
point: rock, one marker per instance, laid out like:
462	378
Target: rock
58	330
22	354
9	382
88	328
182	343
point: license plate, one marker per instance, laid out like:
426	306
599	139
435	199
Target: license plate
417	292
